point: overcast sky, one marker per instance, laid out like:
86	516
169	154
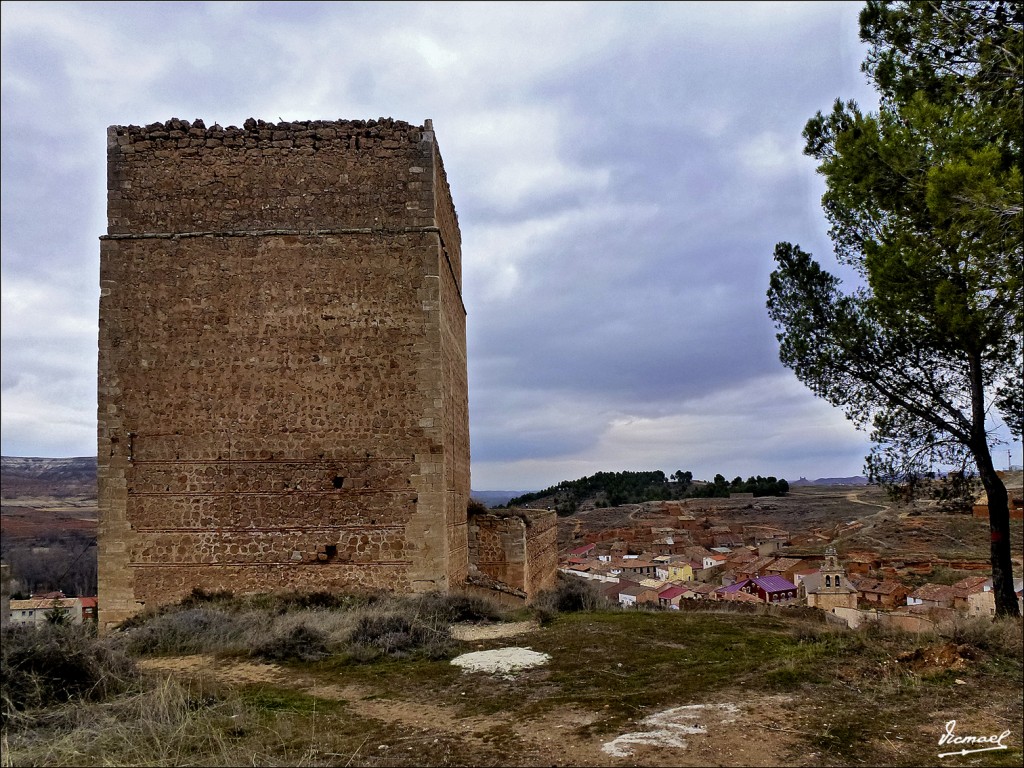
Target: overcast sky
621	171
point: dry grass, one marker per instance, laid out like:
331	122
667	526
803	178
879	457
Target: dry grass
875	696
168	724
180	724
286	628
52	664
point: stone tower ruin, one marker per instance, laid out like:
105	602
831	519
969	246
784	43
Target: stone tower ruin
282	362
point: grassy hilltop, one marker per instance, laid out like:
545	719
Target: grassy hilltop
325	680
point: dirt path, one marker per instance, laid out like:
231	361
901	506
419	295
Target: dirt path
854	496
735	731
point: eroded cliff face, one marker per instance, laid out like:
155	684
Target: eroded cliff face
36	476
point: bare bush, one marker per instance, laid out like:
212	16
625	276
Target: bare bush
192	630
570	595
301	642
1000	636
452	607
54	663
398	636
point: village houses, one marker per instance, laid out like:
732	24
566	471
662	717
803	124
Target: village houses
666	567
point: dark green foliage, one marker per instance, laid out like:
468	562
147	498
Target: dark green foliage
682	479
924	199
759	486
957	490
612	489
55	663
617	488
58	614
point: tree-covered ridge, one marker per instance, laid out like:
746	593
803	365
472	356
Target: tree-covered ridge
758	486
612	489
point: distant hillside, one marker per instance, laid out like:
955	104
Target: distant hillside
495	498
857	480
76	477
24	477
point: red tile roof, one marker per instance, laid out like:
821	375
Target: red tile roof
938	593
671	592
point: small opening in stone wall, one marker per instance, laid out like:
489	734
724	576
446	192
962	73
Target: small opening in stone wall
338	481
331	550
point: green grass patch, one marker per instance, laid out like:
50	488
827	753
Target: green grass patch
274	699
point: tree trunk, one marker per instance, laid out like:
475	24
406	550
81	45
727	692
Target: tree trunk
999	526
998	498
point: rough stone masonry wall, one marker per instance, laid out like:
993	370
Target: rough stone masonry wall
282	362
826	601
541	552
455	369
520	550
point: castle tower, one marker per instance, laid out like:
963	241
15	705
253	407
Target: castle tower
283	397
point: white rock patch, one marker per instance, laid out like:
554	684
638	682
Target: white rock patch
501	660
668	728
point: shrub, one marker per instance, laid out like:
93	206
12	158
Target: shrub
53	663
397	636
450	607
307	626
570	595
301	642
305	601
1001	636
194	630
201	598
